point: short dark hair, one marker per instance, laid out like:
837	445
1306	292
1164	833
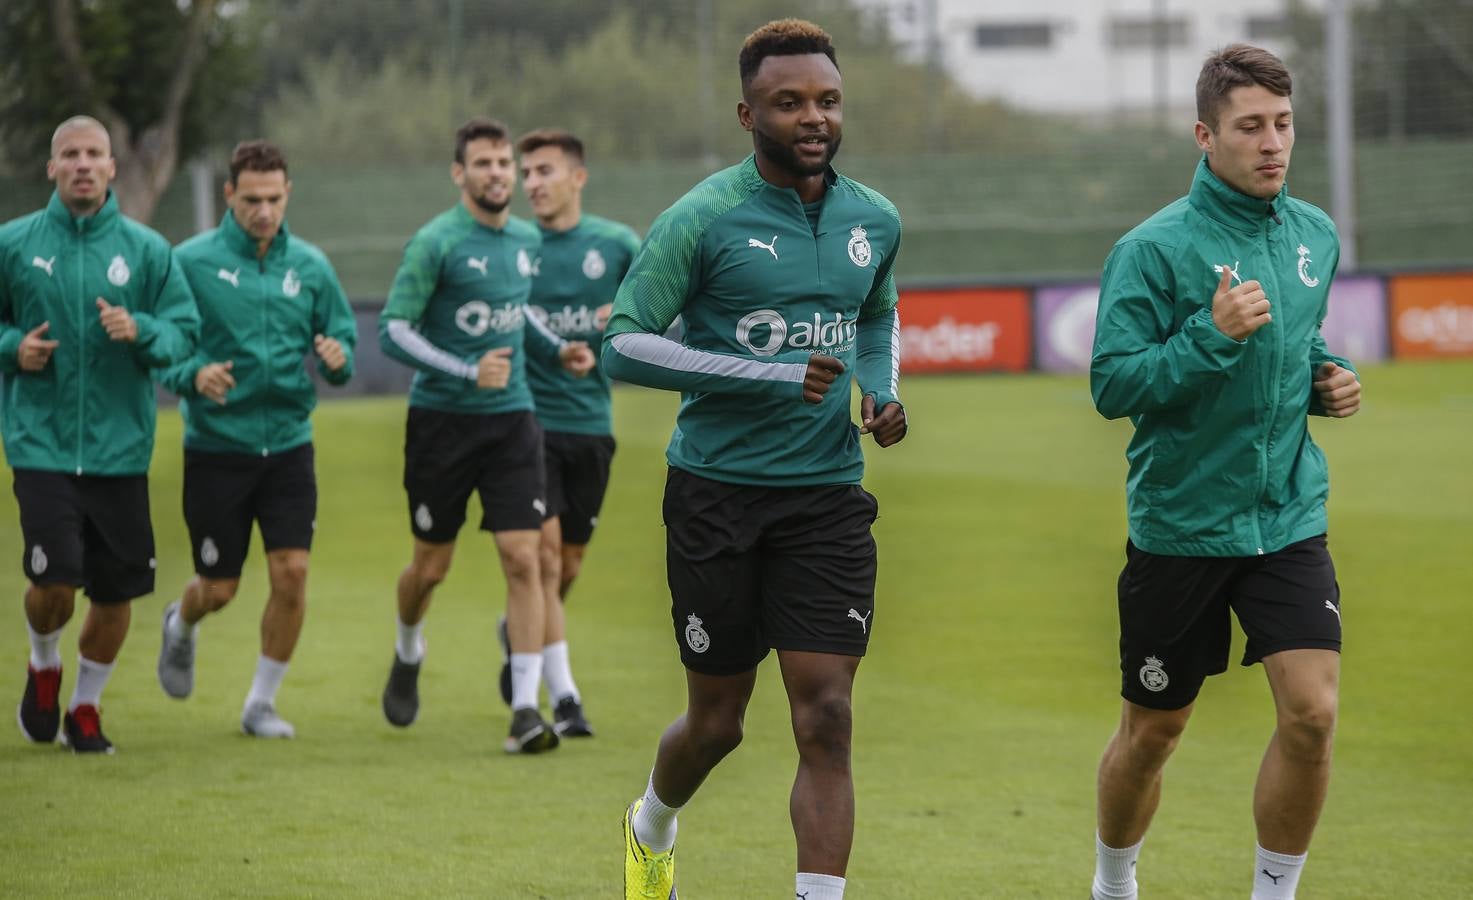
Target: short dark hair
783	37
1235	66
256	156
551	137
479	128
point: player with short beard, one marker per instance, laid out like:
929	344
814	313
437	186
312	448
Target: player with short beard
783	273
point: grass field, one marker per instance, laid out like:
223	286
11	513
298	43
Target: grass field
989	691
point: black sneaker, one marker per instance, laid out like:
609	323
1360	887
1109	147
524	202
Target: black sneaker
401	694
39	713
529	733
505	680
82	731
568	720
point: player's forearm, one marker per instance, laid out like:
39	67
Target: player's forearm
164	340
10	338
399	341
1128	378
539	340
658	362
179	378
878	357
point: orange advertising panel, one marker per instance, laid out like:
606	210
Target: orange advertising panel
965	330
1431	316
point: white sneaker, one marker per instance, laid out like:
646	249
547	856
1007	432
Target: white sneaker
176	659
260	720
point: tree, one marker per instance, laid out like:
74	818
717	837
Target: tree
160	75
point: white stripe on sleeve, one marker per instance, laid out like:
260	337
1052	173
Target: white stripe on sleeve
415	344
664	353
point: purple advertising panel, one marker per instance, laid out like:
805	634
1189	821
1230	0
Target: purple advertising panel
1065	317
1355	327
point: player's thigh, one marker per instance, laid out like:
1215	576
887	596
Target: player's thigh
819	564
714	572
512	481
1289	600
219	491
442	462
117	536
286	500
585	482
1175	625
51	516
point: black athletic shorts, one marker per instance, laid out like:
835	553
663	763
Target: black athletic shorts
87	530
1174	623
448	455
577	476
225	492
754	568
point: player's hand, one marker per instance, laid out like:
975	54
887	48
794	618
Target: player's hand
117	321
34	351
601	316
1339	390
330	352
213	381
1239	311
822	370
576	358
494	369
888	427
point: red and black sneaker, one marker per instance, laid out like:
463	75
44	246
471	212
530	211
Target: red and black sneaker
83	731
39	713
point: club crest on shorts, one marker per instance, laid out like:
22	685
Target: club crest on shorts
423	519
696	636
118	272
291	285
859	249
1153	677
38	560
593	265
209	554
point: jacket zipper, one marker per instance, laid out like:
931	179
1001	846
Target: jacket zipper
266	368
81	233
1273	403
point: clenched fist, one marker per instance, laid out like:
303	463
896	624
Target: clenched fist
1239	311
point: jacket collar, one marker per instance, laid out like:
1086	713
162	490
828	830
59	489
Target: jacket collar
103	218
240	240
1214	198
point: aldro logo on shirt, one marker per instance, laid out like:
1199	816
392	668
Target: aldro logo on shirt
568	320
477	317
765	332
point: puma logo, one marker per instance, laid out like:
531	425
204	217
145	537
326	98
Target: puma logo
862	620
770	248
1231	271
40	263
479	264
802	896
232	277
1333	608
1272	875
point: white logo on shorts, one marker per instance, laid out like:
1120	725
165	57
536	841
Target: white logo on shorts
423	519
540	506
1153	676
862	620
38	560
209	554
696	636
1333	608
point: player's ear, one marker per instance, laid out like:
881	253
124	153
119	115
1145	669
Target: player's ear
744	114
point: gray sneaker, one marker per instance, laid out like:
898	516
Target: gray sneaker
176	660
260	720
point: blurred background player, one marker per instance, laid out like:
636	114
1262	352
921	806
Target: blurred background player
90	301
782	270
456	312
1208	337
266	298
582	261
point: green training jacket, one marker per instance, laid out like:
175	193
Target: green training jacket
1221	463
91	410
261	315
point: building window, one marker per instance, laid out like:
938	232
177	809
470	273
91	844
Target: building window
1131	33
1013	35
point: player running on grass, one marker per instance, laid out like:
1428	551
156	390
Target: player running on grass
782	270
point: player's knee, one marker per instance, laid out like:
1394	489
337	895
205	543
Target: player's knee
823	728
1308	728
551	561
428	573
289	577
716	734
53	604
520	564
1152	738
217	592
568	572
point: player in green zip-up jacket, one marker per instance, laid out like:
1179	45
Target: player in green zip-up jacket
267	299
1208	338
90	301
782	271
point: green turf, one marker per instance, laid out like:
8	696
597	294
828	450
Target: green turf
980	713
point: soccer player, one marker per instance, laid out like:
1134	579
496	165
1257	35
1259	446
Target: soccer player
266	298
782	270
1208	337
90	301
583	259
457	314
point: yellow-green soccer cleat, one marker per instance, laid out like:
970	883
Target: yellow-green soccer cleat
647	875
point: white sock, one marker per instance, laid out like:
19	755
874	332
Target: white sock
45	649
180	629
812	886
1276	875
526	677
91	679
269	673
654	822
1115	871
557	673
411	643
